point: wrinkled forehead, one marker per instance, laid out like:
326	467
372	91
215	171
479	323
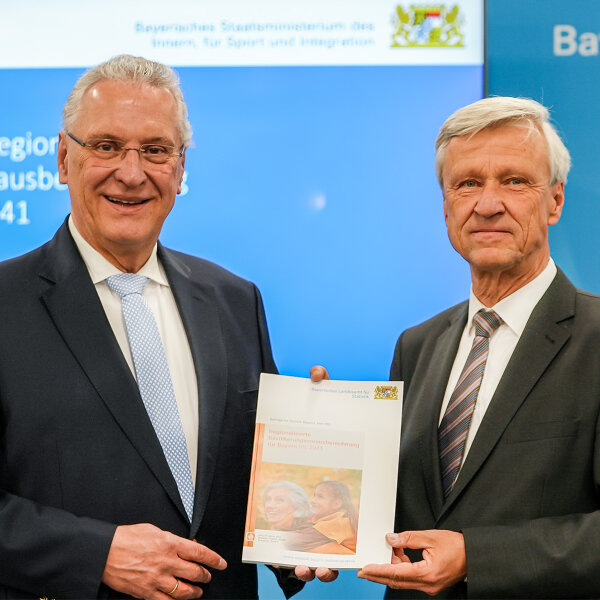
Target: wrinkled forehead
515	147
521	131
517	139
132	102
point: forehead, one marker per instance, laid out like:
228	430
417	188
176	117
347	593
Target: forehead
325	490
505	146
128	110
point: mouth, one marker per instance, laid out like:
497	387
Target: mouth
490	232
126	201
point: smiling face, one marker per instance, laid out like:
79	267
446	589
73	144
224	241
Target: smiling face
324	502
279	509
119	207
498	202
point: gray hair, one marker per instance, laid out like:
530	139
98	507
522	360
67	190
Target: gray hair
504	110
298	497
130	68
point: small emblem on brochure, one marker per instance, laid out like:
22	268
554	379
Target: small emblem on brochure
386	392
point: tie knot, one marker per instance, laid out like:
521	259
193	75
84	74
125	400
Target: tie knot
486	322
127	283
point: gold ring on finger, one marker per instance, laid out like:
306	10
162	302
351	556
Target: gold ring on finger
175	588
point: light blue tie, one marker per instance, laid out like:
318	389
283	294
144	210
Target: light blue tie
154	380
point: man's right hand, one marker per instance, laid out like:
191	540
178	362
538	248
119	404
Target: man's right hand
318	373
147	562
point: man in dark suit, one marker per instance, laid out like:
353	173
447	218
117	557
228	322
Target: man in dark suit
498	487
96	500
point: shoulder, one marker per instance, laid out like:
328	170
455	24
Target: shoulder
434	326
417	344
204	274
15	273
24	261
588	301
585	324
202	269
568	306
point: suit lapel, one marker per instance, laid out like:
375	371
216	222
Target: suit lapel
541	341
435	380
77	313
197	305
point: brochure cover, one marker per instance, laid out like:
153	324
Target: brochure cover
324	472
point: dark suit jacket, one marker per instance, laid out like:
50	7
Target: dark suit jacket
78	454
527	499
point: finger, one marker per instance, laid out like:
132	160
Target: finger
326	575
192	551
398	557
181	594
186	590
410	539
382	580
406	571
180	590
191	571
318	373
395	576
304	573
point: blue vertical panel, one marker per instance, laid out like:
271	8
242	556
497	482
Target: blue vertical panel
548	50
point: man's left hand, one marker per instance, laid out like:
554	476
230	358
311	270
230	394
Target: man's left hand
322	573
444	562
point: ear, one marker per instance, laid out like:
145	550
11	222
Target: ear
182	168
61	157
445	204
557	201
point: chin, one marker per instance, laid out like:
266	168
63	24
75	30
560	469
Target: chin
492	260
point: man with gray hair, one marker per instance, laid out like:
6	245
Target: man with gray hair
499	477
128	372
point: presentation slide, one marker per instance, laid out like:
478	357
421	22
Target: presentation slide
311	170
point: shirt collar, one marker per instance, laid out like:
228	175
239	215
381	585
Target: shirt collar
99	268
516	308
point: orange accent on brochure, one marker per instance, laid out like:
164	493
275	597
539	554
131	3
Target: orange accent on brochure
259	435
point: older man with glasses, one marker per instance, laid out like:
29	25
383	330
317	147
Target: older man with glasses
128	372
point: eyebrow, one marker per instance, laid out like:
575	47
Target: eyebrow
153	140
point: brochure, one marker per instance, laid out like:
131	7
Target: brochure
324	472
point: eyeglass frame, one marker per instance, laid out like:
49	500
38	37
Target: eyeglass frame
141	150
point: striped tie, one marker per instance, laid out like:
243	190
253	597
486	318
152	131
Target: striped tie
454	428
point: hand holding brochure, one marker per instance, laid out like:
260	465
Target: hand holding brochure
324	472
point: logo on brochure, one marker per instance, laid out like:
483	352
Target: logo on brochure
386	392
427	26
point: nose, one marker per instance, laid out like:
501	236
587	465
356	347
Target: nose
130	169
489	201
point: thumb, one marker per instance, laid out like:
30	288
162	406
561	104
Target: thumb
408	539
318	373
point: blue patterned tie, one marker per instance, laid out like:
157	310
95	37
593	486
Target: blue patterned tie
454	428
154	380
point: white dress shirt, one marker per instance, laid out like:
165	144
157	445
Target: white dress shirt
159	297
515	311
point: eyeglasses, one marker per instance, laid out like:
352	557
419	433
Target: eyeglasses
157	154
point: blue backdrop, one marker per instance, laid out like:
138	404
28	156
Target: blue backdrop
315	182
